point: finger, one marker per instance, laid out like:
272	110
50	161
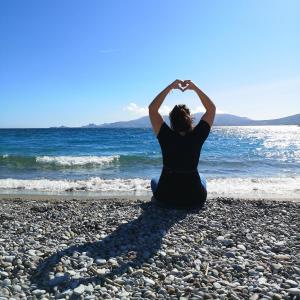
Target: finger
179	88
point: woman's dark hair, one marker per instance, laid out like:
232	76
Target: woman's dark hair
181	119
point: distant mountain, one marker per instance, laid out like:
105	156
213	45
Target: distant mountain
291	120
220	120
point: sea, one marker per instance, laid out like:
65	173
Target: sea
242	162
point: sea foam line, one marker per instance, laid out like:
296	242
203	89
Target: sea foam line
268	188
77	160
93	184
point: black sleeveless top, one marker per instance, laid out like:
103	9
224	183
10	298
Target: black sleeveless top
179	183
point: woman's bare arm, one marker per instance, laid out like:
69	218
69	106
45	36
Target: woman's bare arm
155	117
209	106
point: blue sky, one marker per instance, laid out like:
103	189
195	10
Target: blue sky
76	62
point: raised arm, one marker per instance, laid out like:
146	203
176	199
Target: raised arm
155	117
209	106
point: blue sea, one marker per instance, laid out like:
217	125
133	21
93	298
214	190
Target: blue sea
248	162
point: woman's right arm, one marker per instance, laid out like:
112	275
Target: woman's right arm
155	117
209	106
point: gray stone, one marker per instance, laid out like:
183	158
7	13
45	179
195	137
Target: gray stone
187	277
254	297
241	247
100	261
262	280
230	254
8	258
79	290
4	274
294	291
217	285
38	292
276	296
6	282
276	267
260	269
149	281
292	283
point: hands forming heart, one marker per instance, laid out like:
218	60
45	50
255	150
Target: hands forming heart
183	85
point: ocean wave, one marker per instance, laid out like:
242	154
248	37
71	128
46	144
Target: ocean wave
251	187
57	162
77	160
255	187
93	184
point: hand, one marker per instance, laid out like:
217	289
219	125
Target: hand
189	85
176	84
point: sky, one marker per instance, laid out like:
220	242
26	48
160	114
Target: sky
69	62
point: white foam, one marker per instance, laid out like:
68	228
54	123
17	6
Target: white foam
268	188
77	160
250	187
4	155
93	184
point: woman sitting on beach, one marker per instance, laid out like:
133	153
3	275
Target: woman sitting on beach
180	184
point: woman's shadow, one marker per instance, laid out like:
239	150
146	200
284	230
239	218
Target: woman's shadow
136	242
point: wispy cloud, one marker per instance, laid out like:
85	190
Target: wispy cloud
107	51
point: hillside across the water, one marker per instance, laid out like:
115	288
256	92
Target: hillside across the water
220	120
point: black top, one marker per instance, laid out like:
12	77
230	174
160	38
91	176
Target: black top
179	183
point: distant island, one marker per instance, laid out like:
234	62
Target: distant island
220	120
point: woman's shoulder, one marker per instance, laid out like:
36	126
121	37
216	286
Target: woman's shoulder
202	129
164	130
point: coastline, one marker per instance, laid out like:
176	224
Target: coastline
129	198
125	247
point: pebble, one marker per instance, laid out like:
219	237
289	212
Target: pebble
294	291
8	258
282	256
241	247
79	290
217	285
254	297
38	292
262	280
260	269
117	249
276	267
149	281
100	261
187	277
292	283
276	296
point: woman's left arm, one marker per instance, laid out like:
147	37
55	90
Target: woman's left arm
155	117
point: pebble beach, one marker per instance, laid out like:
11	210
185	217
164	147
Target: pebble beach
133	249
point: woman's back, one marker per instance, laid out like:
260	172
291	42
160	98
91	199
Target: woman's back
179	182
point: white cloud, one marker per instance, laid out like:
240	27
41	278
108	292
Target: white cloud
140	111
143	111
201	109
165	110
136	110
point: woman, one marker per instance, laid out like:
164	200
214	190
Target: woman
180	184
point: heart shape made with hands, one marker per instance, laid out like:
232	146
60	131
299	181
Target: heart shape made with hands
183	85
